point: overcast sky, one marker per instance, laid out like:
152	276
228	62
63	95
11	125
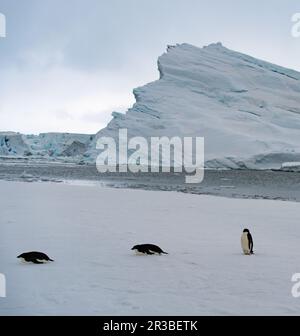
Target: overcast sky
65	65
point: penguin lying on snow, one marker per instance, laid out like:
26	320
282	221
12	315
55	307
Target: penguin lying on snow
35	257
148	249
247	242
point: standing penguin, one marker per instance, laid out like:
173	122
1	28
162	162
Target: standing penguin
247	242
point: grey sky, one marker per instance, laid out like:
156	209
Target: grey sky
67	64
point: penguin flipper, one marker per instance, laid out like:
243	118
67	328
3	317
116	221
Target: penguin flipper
250	242
149	252
35	261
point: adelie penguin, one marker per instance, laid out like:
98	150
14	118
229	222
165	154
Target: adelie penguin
148	249
34	257
247	242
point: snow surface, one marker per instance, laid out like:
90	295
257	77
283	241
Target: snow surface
89	231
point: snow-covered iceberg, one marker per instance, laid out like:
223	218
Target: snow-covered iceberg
247	110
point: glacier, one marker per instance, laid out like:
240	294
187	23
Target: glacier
247	110
48	146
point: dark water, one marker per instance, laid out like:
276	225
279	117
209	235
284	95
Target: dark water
230	183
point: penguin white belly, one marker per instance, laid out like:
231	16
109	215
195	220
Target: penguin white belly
245	243
140	253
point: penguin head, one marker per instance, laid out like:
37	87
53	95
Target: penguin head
135	247
246	230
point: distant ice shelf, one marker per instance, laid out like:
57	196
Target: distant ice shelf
291	166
